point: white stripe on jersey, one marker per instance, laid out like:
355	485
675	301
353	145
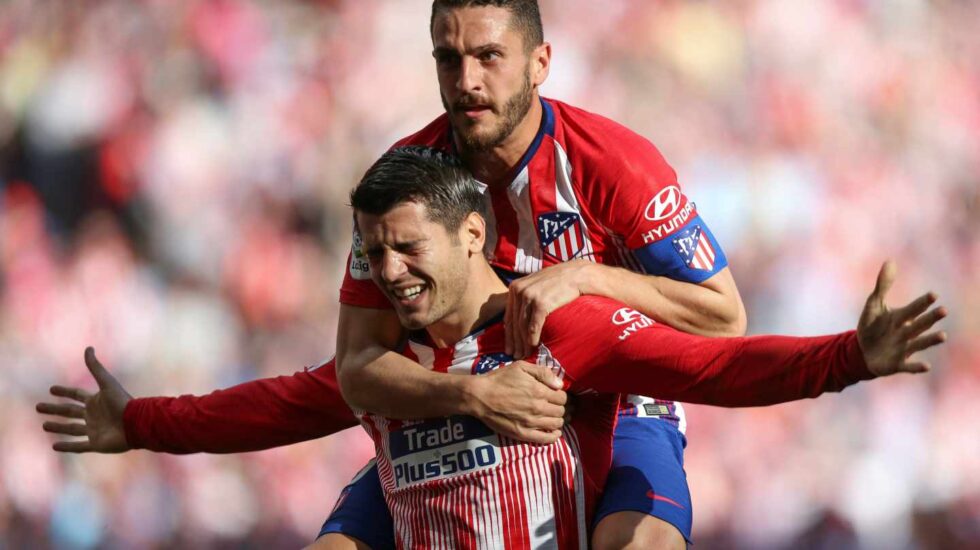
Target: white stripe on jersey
528	254
566	201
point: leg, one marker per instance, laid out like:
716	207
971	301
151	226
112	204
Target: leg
337	541
646	502
360	520
636	530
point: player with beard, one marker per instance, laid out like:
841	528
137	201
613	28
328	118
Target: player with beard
453	483
579	204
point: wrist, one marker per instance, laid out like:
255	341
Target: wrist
469	391
590	279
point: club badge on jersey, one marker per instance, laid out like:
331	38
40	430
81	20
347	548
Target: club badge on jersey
695	249
561	235
491	361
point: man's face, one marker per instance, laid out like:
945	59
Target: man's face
484	74
419	266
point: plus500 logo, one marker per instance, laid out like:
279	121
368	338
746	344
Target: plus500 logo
442	448
450	464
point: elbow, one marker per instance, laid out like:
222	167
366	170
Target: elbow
351	380
740	323
733	323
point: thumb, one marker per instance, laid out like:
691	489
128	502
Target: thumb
101	375
886	276
543	375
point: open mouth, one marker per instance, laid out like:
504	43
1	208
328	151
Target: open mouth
408	295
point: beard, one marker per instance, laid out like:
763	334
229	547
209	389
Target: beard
513	112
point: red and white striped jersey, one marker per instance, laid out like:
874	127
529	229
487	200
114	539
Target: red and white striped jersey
454	483
586	188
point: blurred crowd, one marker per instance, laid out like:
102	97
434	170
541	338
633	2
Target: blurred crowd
173	191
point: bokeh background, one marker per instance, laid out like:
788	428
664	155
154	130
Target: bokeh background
173	180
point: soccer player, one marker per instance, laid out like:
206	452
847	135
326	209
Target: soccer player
451	482
578	204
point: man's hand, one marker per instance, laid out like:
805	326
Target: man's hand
533	297
101	413
520	400
889	337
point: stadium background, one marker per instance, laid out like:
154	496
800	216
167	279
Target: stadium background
173	180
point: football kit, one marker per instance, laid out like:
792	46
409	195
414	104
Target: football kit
589	188
453	483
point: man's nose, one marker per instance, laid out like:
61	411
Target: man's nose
392	267
470	75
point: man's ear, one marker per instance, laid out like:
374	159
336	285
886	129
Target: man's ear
540	63
473	233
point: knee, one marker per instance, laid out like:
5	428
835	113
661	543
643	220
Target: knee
337	541
635	531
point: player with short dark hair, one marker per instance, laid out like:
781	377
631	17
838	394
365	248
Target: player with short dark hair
577	205
454	483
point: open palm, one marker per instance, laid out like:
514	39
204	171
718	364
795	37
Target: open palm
101	413
890	337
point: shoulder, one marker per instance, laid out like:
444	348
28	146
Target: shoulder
606	149
435	134
605	142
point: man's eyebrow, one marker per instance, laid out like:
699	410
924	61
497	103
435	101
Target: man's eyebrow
489	46
402	245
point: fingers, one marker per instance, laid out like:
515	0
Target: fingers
68	410
925	342
917	367
77	394
73	446
559	398
538	437
886	277
915	307
65	428
101	375
542	374
509	325
520	330
535	325
924	323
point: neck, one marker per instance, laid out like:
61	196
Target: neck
495	166
484	298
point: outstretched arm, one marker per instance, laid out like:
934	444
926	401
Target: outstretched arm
638	354
248	417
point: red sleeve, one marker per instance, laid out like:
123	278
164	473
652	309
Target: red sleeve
248	417
360	291
605	346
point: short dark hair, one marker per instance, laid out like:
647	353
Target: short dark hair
430	177
525	16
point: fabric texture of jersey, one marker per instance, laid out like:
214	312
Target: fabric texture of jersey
587	188
454	483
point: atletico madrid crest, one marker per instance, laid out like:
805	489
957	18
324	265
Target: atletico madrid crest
490	361
561	235
695	248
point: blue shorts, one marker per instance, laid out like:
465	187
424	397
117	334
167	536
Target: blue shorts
647	473
361	512
647	476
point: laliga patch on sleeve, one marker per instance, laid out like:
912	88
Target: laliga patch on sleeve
691	254
359	268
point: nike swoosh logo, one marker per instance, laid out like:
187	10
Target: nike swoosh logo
655	496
